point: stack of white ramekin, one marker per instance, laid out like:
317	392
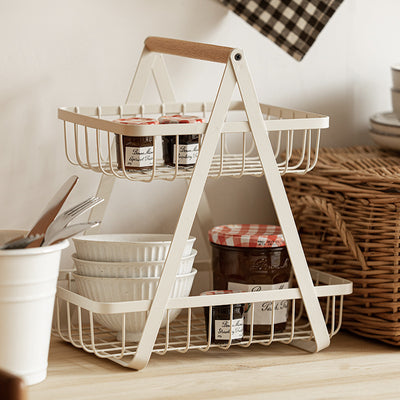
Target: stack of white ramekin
127	267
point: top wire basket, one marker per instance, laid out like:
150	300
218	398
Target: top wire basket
90	133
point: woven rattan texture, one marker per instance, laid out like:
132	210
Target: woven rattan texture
348	214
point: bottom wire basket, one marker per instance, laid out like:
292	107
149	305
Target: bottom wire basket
75	319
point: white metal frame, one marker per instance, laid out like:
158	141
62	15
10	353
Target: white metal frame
236	73
75	320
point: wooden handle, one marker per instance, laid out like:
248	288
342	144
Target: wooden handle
11	387
183	48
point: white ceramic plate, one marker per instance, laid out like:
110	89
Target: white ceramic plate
386	141
386	123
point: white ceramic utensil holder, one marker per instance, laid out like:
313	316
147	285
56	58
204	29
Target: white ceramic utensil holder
28	282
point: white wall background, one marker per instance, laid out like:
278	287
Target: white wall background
78	52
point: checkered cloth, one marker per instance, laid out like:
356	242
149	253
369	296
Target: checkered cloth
247	235
293	25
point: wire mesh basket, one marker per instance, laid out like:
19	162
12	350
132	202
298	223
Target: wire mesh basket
89	134
75	319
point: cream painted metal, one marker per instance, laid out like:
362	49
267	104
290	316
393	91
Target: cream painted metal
282	125
93	131
74	318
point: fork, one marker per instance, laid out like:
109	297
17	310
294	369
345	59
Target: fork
62	220
68	231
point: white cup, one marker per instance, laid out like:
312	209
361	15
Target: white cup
396	76
28	282
396	102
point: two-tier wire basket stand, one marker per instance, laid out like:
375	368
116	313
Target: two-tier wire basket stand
315	299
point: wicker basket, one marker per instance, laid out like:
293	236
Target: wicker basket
348	214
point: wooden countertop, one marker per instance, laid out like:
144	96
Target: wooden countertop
351	368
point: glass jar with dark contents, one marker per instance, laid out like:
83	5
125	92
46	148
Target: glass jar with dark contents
187	150
252	258
221	328
138	151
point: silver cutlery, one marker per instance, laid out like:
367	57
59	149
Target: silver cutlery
21	243
48	214
62	220
52	209
68	231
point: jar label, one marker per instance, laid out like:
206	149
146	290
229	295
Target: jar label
263	310
188	153
223	329
139	156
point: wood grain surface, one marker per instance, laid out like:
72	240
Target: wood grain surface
351	368
183	48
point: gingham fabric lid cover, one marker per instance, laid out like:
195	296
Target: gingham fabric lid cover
212	292
247	235
179	119
137	121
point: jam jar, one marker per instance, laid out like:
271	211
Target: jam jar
221	320
188	144
251	257
138	151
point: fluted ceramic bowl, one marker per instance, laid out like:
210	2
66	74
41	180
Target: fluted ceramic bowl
132	269
126	247
129	289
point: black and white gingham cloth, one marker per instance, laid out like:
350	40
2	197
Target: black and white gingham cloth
293	25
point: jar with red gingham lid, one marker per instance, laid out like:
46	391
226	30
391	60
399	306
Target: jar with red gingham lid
252	257
187	150
138	151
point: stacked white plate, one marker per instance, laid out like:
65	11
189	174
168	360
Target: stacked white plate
127	267
385	130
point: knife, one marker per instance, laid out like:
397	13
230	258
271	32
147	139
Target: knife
51	210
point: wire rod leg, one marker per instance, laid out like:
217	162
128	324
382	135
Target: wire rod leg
281	204
204	221
141	77
186	219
